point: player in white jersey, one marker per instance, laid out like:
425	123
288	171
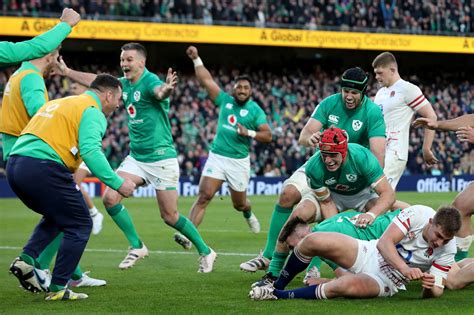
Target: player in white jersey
399	101
417	245
464	201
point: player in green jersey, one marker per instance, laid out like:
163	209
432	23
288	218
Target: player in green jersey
351	110
240	120
343	223
41	45
153	158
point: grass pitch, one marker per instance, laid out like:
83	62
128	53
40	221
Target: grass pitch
167	281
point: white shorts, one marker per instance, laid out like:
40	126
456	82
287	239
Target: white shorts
162	175
394	168
84	167
367	262
345	202
236	172
299	180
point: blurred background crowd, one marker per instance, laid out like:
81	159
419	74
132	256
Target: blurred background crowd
440	16
288	98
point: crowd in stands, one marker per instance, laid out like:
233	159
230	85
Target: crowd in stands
400	15
288	98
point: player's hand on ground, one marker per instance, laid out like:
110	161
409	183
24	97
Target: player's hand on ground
192	52
425	123
242	131
429	157
171	79
70	16
313	141
412	273
427	281
60	68
465	134
363	220
127	188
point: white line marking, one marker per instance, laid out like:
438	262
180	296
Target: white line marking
110	250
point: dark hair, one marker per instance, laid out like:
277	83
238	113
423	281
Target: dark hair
289	228
355	78
105	81
243	78
448	218
135	46
384	59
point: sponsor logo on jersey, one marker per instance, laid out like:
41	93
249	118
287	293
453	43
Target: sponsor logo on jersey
429	252
125	96
136	96
243	112
333	119
351	177
392	94
132	111
330	181
229	105
341	187
232	120
357	124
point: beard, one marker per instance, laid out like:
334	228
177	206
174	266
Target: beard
239	102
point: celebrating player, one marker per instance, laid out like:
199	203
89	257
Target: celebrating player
153	158
240	120
350	110
51	147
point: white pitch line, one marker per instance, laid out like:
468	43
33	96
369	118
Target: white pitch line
110	250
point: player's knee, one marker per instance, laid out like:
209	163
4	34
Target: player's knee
289	196
110	199
204	197
241	206
170	218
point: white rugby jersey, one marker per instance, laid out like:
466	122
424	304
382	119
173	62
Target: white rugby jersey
399	103
415	250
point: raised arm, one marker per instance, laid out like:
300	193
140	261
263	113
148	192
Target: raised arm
164	91
202	74
41	45
83	78
445	125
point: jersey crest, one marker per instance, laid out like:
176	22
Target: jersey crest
136	96
351	177
357	124
243	112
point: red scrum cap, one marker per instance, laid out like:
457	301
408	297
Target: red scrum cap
334	140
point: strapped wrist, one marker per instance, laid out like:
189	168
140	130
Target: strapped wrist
197	62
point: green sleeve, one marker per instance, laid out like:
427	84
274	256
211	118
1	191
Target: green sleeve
32	90
320	112
371	167
313	172
91	130
222	98
39	46
376	122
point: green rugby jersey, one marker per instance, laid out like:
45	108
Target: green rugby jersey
344	223
227	141
361	123
360	169
148	122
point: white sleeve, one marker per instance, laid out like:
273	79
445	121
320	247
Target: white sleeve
442	264
405	220
413	97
